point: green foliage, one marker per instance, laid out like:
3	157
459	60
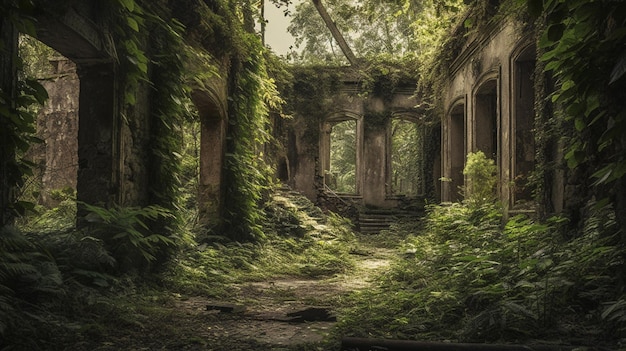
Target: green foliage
371	28
481	174
17	115
582	44
467	278
128	233
248	177
169	111
26	276
12	265
129	23
299	241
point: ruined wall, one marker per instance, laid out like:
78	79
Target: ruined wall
307	140
57	126
487	108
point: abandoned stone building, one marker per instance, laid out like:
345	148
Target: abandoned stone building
488	104
102	146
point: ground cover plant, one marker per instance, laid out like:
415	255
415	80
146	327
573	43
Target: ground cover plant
76	286
470	275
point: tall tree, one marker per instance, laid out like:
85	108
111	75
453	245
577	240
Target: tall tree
335	32
373	27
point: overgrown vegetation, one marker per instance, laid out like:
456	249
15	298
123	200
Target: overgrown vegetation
78	271
299	241
468	275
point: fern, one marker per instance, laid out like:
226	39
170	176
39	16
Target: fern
15	263
127	233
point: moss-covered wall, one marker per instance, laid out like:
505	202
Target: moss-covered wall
319	95
138	62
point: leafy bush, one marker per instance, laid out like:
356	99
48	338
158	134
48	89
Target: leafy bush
299	241
469	278
127	233
481	175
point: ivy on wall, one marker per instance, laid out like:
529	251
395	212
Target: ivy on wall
152	49
17	95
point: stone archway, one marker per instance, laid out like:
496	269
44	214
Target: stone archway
76	38
352	124
212	117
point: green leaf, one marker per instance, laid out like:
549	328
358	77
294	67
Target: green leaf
132	24
593	102
580	124
128	4
555	32
535	7
619	69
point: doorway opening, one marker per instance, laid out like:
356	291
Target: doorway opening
52	185
457	144
524	113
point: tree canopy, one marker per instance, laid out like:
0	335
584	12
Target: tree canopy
372	28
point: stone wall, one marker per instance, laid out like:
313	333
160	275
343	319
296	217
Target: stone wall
306	140
489	106
57	126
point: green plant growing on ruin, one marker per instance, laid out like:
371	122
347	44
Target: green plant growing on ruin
481	174
128	235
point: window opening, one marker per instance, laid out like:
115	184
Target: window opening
524	101
487	119
407	158
341	174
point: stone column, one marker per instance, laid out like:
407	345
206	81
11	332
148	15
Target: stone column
8	75
97	171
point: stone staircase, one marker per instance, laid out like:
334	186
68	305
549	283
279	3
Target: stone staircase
373	221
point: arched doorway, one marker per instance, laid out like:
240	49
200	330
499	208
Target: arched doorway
406	157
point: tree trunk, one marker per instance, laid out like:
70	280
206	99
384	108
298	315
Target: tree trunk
335	32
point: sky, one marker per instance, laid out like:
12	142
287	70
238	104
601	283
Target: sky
276	35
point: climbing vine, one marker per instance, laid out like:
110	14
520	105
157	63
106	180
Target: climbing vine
16	115
248	176
585	53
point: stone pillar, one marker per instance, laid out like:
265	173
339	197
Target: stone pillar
97	170
8	75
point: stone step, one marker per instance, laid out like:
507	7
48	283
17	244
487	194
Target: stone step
373	221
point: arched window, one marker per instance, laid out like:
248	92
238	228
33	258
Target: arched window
212	138
486	119
340	153
406	164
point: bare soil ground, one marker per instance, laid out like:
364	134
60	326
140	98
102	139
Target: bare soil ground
266	315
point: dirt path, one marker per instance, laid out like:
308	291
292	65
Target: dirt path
266	315
283	313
